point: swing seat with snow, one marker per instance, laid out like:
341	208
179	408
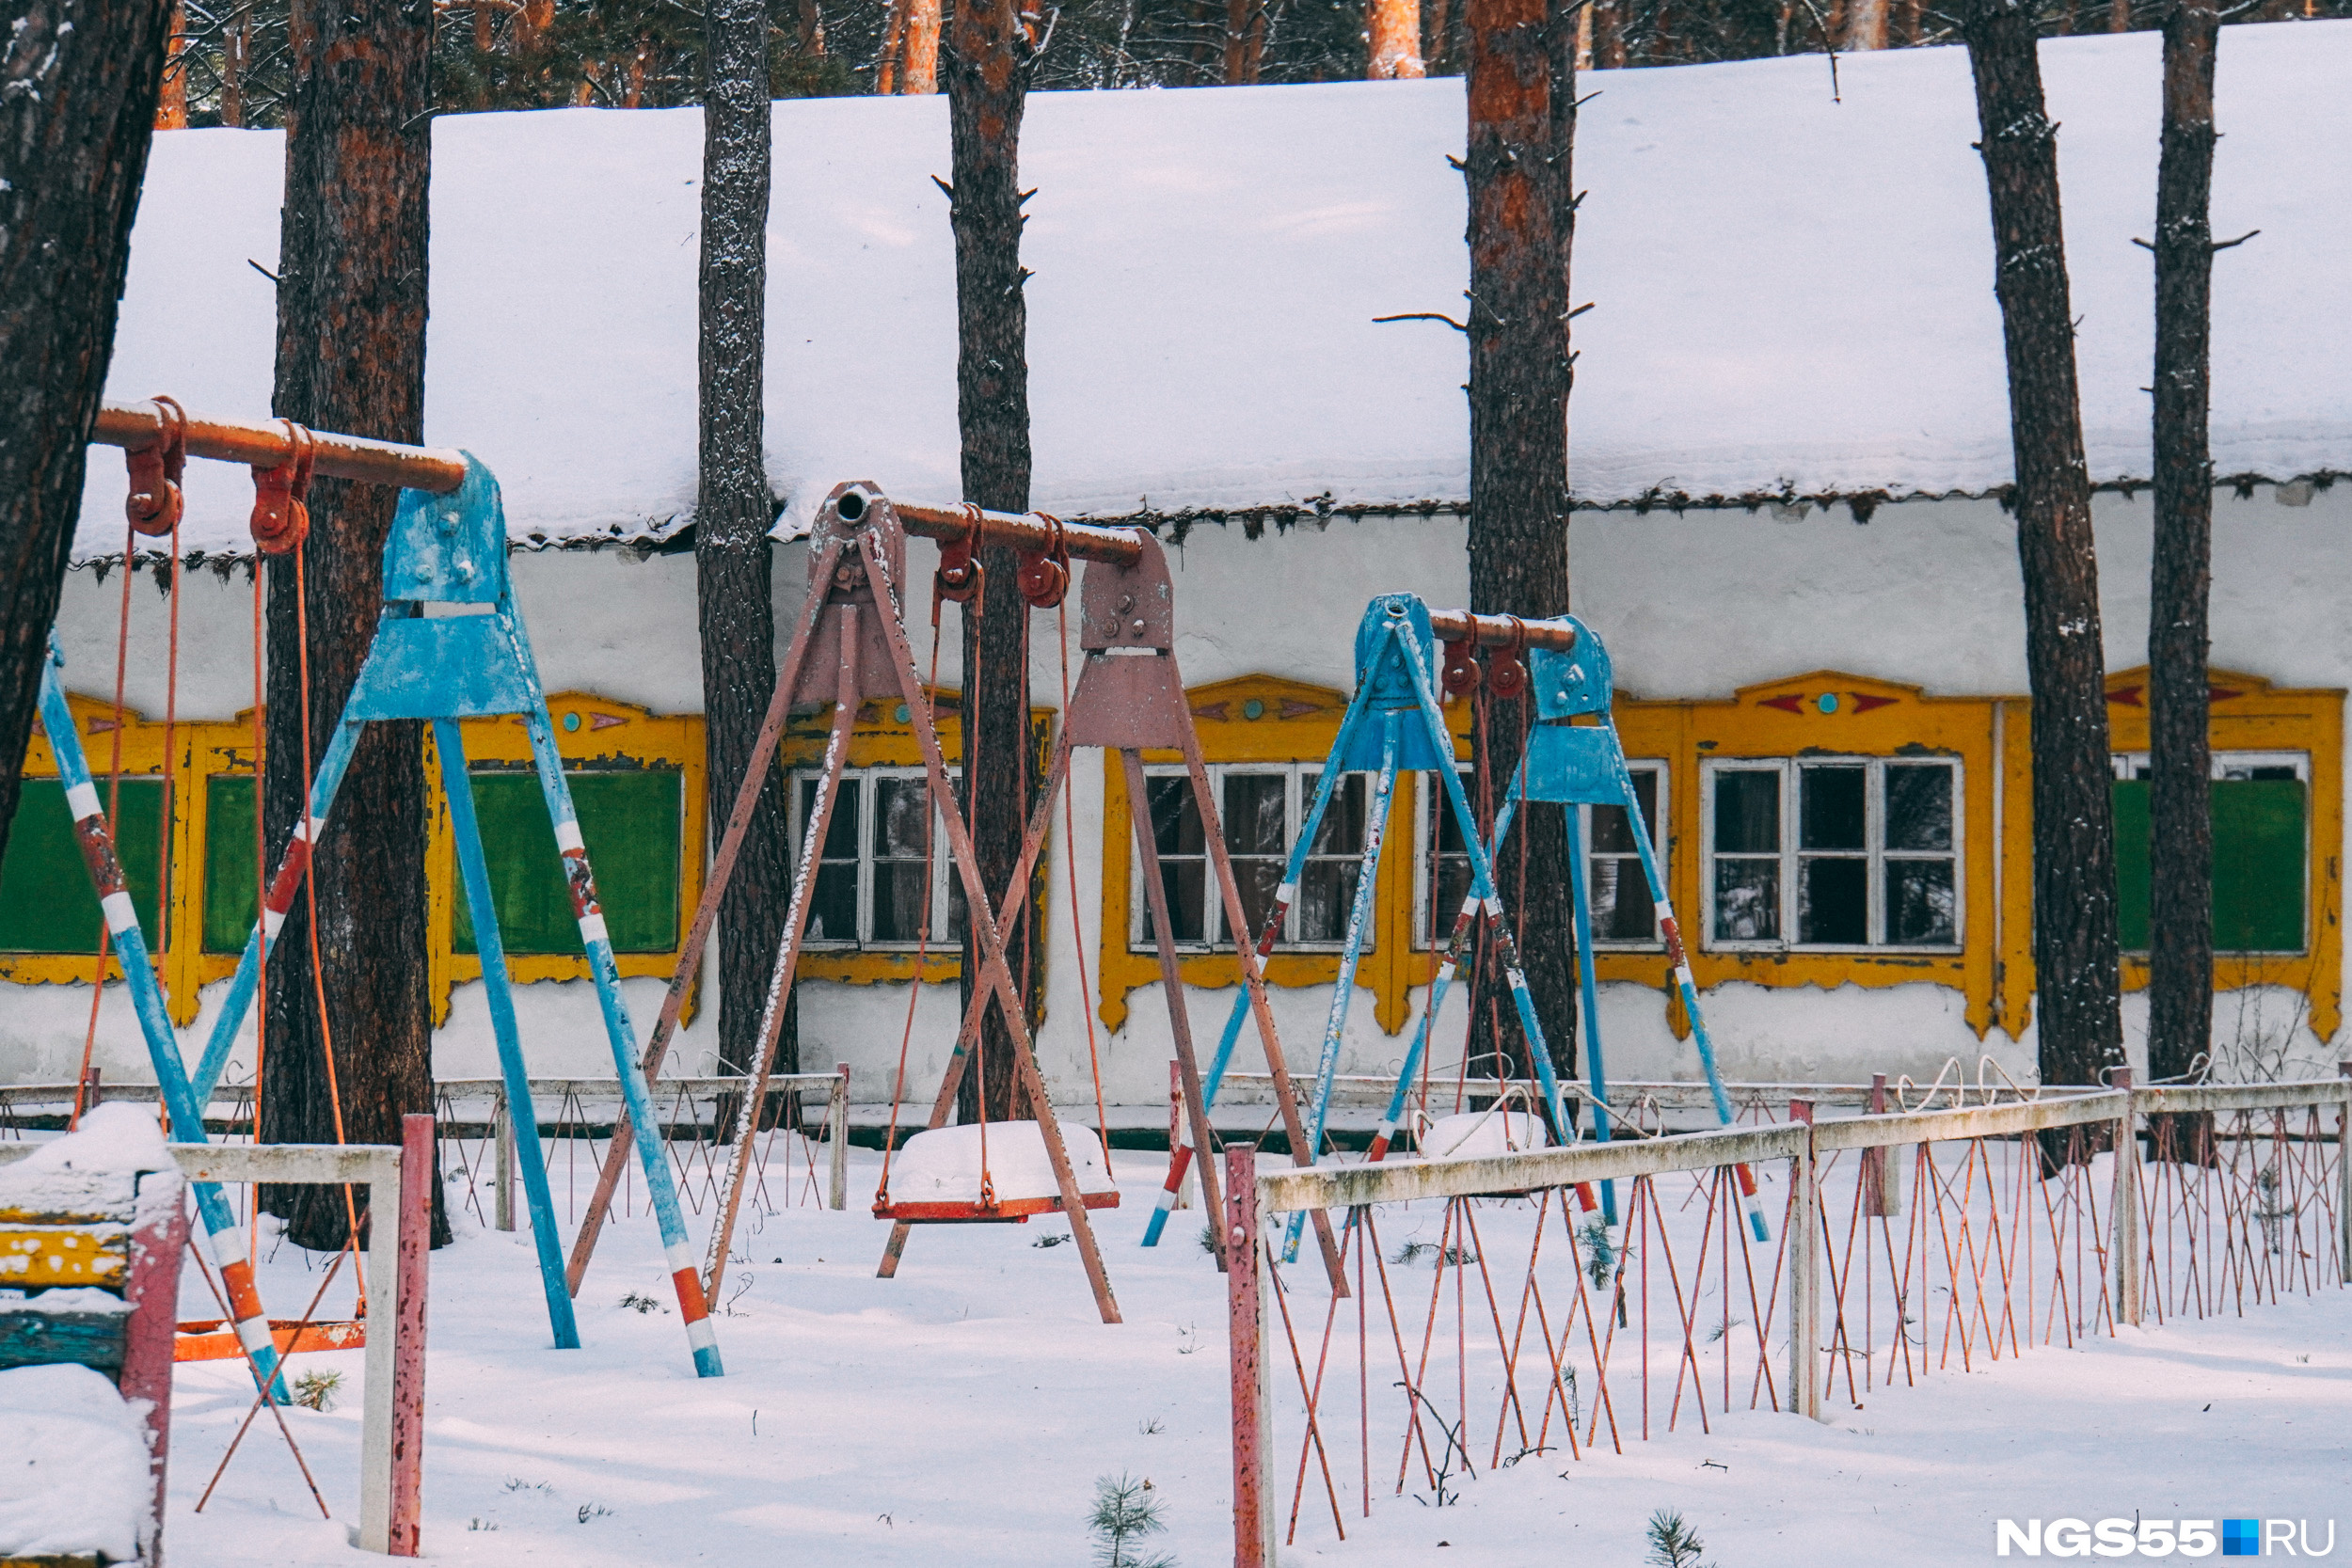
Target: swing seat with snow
996	1173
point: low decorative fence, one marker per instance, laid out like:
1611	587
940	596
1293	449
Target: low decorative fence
1568	1299
805	1124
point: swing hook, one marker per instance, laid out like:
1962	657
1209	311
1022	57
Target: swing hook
281	515
155	500
1461	667
958	576
1045	574
1506	667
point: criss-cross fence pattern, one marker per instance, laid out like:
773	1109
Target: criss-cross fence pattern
804	1127
1494	1318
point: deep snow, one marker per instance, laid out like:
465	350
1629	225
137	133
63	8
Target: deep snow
962	1412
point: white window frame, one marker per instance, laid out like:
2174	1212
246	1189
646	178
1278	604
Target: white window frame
856	796
2225	767
1297	797
1875	853
1661	841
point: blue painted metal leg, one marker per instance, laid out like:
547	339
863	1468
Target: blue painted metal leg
1352	949
475	870
1595	1069
1688	986
660	1182
1180	1159
147	1000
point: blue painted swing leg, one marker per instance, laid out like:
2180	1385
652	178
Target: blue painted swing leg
1482	888
1352	950
1595	1069
660	1182
457	787
1292	872
163	1045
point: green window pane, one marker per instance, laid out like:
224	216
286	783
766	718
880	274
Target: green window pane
2257	877
631	824
47	904
230	905
2258	864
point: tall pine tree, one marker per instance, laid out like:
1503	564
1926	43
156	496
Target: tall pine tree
991	52
79	81
733	511
1522	216
351	314
2078	1009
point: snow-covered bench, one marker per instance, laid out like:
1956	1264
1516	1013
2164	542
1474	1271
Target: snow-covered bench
92	1229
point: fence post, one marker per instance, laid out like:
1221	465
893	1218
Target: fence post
837	1119
1253	1501
2343	1178
1176	1128
415	1219
1804	1277
2124	1217
382	1223
502	1158
1882	1172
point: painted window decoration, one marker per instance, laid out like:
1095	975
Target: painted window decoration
1623	915
630	820
2261	850
1838	852
46	902
871	875
1259	807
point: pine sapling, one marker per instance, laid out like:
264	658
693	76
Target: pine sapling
1673	1543
1124	1512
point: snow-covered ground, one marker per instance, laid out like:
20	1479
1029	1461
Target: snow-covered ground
962	1412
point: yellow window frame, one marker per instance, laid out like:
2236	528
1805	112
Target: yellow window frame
1830	712
143	747
2249	714
588	729
1265	718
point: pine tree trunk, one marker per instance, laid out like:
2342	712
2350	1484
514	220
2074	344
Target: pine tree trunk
989	61
733	512
351	320
2180	987
1393	33
78	86
919	50
1523	215
2073	861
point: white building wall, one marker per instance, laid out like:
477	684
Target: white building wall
1692	606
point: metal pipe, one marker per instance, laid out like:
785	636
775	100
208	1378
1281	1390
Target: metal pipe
1498	631
1031	530
438	469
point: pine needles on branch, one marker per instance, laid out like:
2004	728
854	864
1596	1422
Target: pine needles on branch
1673	1543
1124	1512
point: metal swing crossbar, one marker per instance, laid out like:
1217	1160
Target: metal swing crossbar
851	644
447	545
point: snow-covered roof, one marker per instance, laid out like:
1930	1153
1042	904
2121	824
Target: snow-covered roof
1792	293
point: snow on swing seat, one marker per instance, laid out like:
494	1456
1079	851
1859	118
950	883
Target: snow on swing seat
1481	1135
936	1176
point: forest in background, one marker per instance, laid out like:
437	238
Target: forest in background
231	65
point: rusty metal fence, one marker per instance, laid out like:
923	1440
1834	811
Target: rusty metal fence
803	1131
1493	1313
